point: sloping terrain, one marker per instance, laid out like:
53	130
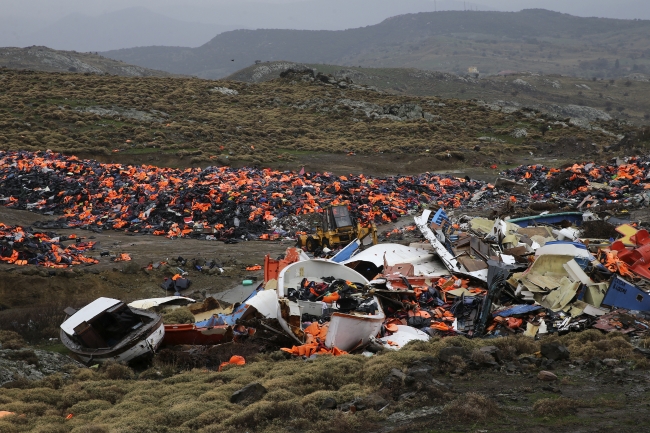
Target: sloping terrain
46	59
451	41
301	117
627	98
415	389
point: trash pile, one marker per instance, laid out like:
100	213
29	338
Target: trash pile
474	277
625	181
219	201
21	247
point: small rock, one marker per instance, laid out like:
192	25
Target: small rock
547	376
494	351
610	362
409	380
417	414
519	133
420	372
547	364
407	396
397	373
555	351
642	351
328	403
391	382
372	401
552	389
595	363
248	394
447	353
619	371
511	367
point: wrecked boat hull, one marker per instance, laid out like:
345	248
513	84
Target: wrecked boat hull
346	330
144	345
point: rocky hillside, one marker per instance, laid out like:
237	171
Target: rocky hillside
191	121
626	98
452	41
45	59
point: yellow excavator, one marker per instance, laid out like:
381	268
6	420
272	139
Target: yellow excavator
336	229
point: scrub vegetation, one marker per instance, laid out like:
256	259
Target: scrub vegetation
201	122
172	398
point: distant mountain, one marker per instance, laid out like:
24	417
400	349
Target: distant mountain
37	58
314	14
132	27
621	9
531	40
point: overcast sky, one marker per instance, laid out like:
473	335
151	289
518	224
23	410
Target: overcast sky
100	25
48	10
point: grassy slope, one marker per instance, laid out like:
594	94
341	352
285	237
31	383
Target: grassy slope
630	94
450	41
163	400
262	125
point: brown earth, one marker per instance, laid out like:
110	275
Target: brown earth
32	286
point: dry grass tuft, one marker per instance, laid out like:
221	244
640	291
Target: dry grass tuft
561	406
11	340
471	406
517	345
115	371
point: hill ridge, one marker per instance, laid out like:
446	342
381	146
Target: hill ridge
449	41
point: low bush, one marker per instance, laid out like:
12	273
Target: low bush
471	406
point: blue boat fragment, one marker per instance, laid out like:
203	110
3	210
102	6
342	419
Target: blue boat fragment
622	294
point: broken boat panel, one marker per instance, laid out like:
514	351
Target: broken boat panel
450	261
550	218
347	252
396	259
622	294
168	302
403	336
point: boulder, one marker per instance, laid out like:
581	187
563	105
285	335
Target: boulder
328	403
555	351
494	351
248	394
